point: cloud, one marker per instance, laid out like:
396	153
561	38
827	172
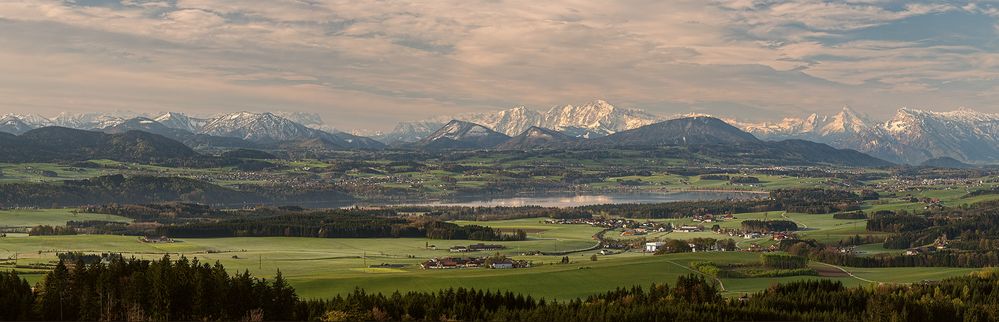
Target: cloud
366	64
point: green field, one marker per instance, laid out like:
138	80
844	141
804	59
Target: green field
51	217
326	267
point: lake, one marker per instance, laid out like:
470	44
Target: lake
574	200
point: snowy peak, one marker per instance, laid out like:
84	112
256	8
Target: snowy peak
594	119
910	136
14	125
510	122
457	130
845	122
598	116
461	135
87	121
181	121
257	127
538	137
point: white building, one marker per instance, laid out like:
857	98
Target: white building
502	265
653	247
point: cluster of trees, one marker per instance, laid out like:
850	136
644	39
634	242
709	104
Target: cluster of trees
744	180
678	209
446	230
672	246
75	257
188	290
967	229
46	230
761	226
192	221
160	212
850	215
949	258
886	221
148	290
815	201
782	261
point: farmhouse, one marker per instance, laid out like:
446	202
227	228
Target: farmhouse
475	248
482	247
156	240
689	229
452	262
654	246
506	264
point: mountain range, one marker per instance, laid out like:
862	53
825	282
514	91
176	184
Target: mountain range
594	119
240	129
911	136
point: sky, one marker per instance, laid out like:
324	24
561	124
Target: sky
367	64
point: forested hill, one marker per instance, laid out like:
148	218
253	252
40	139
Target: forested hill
57	144
152	189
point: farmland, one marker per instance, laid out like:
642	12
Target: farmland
322	267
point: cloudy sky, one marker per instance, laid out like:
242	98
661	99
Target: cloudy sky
368	64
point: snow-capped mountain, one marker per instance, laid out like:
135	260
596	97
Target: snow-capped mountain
539	137
33	120
270	128
597	118
181	121
462	135
88	121
257	127
312	120
511	122
911	136
845	123
14	125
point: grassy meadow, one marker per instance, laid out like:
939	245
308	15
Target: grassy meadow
326	267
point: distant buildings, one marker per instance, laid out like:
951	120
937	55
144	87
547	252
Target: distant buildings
474	262
689	229
156	240
475	248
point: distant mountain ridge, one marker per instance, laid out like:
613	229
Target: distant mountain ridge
698	130
55	143
240	129
594	119
539	138
462	135
911	136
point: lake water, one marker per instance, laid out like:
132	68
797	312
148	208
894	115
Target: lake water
563	201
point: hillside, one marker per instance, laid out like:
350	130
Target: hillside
152	189
537	137
462	135
684	131
53	144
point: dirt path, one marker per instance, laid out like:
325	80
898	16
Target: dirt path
800	225
720	284
848	273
